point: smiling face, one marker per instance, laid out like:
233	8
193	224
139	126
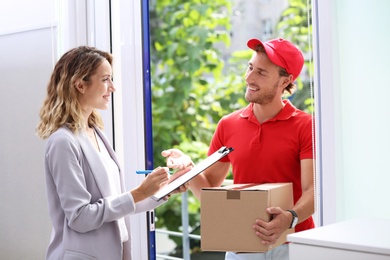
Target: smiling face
95	92
264	84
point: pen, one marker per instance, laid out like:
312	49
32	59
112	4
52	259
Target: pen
145	171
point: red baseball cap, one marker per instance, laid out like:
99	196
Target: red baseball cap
282	53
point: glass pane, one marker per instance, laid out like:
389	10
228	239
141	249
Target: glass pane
198	62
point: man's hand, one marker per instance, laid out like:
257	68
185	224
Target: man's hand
269	232
176	159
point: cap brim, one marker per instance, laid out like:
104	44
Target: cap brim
252	43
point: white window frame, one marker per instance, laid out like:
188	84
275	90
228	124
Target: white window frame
324	110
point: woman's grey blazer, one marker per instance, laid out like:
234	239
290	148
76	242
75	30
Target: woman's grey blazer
82	207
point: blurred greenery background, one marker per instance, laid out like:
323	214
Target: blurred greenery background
193	86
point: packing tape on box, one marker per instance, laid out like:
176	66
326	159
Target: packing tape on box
233	194
244	186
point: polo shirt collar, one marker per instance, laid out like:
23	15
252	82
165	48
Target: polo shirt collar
289	110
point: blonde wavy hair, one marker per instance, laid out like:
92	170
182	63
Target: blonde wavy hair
61	105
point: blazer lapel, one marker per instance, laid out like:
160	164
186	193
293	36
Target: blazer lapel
96	165
113	156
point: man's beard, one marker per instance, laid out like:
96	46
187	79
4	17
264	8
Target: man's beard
264	98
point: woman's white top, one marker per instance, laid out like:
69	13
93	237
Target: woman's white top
113	177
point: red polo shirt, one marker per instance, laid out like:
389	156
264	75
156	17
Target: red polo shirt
269	152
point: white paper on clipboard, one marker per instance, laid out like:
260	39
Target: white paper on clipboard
200	167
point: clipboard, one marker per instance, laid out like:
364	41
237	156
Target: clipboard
200	167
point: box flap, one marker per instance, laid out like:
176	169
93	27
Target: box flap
232	187
249	186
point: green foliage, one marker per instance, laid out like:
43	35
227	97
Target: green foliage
296	25
191	92
193	88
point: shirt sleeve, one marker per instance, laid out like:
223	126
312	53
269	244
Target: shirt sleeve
217	141
307	140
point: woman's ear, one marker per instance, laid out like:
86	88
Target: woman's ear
79	86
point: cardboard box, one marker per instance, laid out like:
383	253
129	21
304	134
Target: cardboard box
228	214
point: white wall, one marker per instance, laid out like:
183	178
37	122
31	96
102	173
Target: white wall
364	66
26	56
352	59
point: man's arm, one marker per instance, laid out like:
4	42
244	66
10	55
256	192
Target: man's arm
269	232
211	177
305	205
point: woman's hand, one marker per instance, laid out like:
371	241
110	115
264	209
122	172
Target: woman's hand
182	188
151	184
176	159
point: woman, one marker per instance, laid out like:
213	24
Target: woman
88	204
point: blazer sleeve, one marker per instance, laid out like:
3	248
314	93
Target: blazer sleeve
142	206
148	204
73	191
